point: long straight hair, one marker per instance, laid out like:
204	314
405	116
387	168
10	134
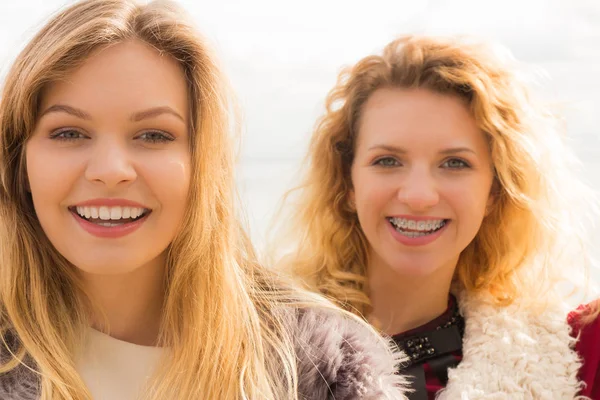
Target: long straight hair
222	323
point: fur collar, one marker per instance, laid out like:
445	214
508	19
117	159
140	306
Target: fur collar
337	358
340	359
513	353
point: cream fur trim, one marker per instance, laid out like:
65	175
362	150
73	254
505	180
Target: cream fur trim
513	353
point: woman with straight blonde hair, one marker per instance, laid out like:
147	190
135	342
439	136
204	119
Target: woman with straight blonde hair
125	272
441	205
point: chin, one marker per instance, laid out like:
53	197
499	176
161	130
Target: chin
415	271
106	267
414	266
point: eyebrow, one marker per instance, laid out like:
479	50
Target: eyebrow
136	117
400	150
66	109
155	112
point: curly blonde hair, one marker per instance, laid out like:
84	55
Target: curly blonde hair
521	243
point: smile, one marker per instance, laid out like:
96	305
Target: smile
110	221
110	216
416	232
417	228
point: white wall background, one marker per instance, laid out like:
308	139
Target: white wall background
283	57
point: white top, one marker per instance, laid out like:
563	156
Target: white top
116	370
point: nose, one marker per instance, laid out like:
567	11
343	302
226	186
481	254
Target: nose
110	163
419	189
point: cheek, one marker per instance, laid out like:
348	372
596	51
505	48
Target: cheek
373	195
374	190
169	180
50	174
469	200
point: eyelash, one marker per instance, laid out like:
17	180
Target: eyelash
163	137
464	164
57	135
379	162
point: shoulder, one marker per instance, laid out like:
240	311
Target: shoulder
520	349
20	383
587	333
341	357
580	321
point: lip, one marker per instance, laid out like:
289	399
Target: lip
415	218
110	202
417	241
109	232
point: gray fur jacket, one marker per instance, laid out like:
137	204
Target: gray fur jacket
338	359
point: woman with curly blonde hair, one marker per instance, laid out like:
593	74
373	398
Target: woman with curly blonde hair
440	204
125	271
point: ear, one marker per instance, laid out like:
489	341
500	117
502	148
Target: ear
493	196
352	200
25	179
22	171
490	205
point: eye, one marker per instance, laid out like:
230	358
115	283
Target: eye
455	163
387	162
67	135
155	137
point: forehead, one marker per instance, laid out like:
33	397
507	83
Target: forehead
417	116
120	78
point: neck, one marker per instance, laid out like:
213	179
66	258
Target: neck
401	303
128	306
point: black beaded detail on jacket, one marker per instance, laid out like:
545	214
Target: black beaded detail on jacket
422	346
434	345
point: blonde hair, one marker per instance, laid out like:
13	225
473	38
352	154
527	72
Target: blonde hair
222	315
518	251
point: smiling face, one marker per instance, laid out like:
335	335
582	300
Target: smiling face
421	179
109	161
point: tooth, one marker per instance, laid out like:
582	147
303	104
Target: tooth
94	212
86	210
79	210
104	213
412	225
115	213
403	223
108	224
429	225
126	212
421	225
